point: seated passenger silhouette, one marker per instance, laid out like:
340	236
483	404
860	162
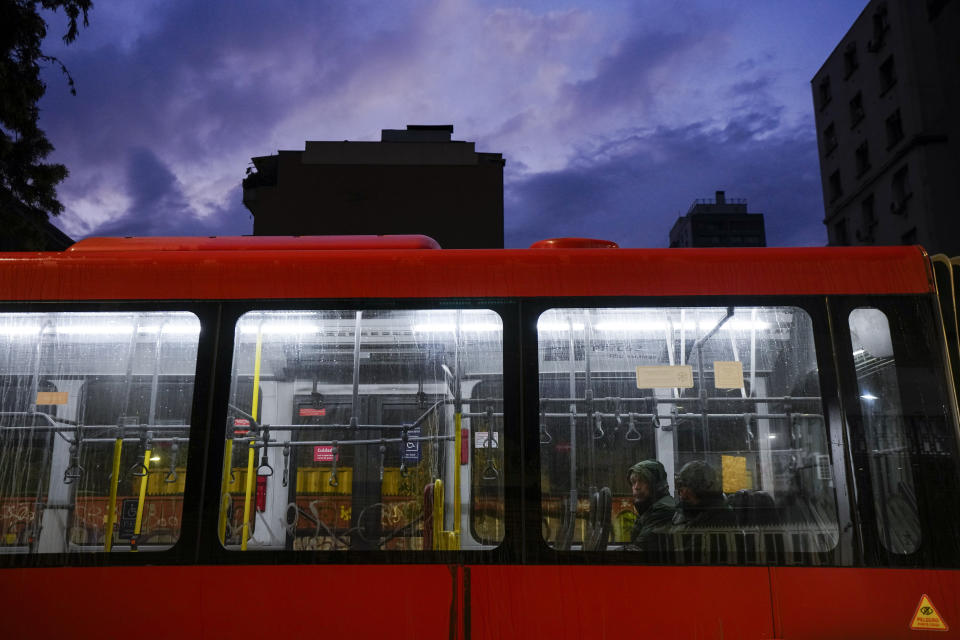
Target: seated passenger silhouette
701	503
655	507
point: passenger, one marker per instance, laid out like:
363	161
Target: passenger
655	507
701	502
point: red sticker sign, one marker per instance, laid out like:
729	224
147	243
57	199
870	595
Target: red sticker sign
323	453
310	412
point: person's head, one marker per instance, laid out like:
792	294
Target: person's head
648	481
697	482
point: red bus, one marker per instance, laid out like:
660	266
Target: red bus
373	437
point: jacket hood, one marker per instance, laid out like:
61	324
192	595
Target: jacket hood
653	474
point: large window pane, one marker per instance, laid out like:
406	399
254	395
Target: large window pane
888	441
343	431
722	409
94	427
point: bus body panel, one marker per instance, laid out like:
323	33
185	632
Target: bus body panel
584	601
851	603
269	601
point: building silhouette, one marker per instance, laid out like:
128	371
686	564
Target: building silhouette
415	180
887	102
720	222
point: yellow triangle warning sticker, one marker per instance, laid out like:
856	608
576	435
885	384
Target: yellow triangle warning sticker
927	617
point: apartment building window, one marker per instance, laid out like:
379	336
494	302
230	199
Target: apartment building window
829	139
900	190
868	219
850	61
910	237
888	75
856	109
825	94
881	25
894	129
863	159
836	189
840	233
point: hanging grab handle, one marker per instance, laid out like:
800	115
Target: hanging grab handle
140	469
545	437
598	432
333	482
74	471
632	435
171	476
383	456
490	472
404	438
265	469
617	419
286	464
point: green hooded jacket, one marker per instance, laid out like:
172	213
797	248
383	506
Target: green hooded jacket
654	516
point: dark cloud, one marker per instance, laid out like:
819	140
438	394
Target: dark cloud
761	83
626	78
632	190
204	85
159	208
211	77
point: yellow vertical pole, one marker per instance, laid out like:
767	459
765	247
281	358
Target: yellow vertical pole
251	454
112	511
438	541
225	489
140	501
457	421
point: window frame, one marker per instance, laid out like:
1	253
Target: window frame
934	551
508	550
539	552
183	550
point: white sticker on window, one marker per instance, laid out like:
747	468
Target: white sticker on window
665	377
727	374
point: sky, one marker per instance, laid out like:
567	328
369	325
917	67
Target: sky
613	117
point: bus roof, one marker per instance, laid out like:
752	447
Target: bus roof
267	268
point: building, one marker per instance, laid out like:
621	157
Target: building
415	180
886	103
720	222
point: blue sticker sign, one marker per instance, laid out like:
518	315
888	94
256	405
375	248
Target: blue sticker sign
413	453
128	518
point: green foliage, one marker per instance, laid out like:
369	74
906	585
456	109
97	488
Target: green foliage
27	183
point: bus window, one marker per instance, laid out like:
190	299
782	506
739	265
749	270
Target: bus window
355	430
720	406
888	445
94	427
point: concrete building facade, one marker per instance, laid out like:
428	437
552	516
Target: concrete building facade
721	222
887	108
415	180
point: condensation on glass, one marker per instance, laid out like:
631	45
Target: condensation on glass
94	426
725	399
885	431
355	430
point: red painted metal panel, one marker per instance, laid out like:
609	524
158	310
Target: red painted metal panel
577	602
305	601
484	273
849	604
